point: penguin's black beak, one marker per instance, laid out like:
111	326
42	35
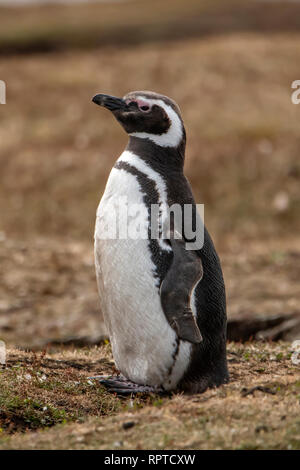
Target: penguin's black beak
110	102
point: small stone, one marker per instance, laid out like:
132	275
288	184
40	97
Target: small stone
43	378
265	146
281	201
118	443
2	354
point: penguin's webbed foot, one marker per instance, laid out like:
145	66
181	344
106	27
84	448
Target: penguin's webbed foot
122	386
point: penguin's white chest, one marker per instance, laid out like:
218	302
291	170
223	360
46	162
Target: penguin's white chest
145	347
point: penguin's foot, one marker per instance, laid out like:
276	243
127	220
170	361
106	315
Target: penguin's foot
121	386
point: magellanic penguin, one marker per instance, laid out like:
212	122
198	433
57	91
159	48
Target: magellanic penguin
164	306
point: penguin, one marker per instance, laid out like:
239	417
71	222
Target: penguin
164	305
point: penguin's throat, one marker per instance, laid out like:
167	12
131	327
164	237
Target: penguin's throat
168	158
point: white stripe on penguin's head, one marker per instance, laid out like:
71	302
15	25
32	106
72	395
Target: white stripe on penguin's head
174	134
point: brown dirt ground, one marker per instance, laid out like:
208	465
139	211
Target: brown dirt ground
258	409
48	287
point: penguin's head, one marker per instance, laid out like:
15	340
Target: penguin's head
147	115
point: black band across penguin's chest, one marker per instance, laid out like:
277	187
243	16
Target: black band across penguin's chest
161	258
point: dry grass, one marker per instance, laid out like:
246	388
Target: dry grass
235	416
39	390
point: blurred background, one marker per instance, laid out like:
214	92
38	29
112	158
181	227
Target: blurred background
229	65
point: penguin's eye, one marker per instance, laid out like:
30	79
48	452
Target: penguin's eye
132	104
144	108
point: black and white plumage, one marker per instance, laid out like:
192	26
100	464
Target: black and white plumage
164	306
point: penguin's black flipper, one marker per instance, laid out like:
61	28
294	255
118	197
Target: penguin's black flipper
176	289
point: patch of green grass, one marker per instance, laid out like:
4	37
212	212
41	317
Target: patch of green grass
29	413
35	395
246	356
